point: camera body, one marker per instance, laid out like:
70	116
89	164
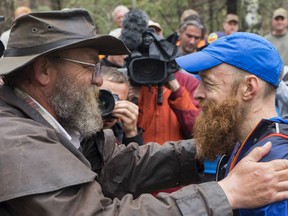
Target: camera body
153	61
107	103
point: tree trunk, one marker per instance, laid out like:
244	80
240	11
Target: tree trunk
231	6
56	5
6	10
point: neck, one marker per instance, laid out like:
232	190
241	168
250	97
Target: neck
253	117
38	95
279	32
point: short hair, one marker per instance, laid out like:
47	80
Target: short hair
194	22
114	75
119	8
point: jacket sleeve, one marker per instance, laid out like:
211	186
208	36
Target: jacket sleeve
183	103
140	169
185	110
87	200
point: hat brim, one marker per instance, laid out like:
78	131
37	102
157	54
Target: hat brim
195	62
105	44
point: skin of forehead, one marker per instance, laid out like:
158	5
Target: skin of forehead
217	73
121	89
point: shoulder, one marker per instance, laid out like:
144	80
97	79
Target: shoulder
185	78
279	148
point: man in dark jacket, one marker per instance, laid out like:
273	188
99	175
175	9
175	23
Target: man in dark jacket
48	118
239	76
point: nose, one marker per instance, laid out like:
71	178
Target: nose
98	81
198	94
192	40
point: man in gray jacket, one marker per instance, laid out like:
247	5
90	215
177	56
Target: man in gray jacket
48	118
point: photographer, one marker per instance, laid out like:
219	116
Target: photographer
123	119
175	118
164	92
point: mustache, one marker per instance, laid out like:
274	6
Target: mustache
206	105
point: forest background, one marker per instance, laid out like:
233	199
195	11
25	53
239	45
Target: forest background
255	15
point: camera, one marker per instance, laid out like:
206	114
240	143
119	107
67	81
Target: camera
107	103
153	61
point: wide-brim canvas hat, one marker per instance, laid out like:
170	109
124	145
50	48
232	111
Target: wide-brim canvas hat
37	34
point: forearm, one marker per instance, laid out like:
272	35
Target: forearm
139	169
203	199
87	200
185	110
137	139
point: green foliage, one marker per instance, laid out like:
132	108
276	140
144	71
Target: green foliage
165	12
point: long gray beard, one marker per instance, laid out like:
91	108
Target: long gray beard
77	108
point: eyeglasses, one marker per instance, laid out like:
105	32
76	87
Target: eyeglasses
96	67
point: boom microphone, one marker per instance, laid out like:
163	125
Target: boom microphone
134	23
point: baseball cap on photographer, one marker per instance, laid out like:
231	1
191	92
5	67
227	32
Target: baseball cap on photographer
247	51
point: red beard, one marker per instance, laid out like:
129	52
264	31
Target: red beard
216	128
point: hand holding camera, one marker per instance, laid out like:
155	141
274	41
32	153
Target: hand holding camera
128	113
112	109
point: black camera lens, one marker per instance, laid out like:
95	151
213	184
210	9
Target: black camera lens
107	103
147	71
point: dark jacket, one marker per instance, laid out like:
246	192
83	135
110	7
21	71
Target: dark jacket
274	130
42	173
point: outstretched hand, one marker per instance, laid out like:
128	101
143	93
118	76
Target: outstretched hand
128	113
253	184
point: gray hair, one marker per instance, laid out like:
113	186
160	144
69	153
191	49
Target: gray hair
119	8
114	75
183	25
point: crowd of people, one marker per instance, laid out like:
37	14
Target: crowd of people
223	95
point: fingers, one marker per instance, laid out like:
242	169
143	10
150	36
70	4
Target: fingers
128	113
252	184
126	109
258	153
280	165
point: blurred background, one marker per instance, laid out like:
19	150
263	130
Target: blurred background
255	15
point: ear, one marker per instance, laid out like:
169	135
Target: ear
42	73
250	87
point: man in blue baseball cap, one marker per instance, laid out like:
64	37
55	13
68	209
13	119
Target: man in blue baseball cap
239	76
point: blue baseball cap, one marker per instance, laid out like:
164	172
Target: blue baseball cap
247	51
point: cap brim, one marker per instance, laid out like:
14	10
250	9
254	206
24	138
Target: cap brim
105	44
195	62
278	15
